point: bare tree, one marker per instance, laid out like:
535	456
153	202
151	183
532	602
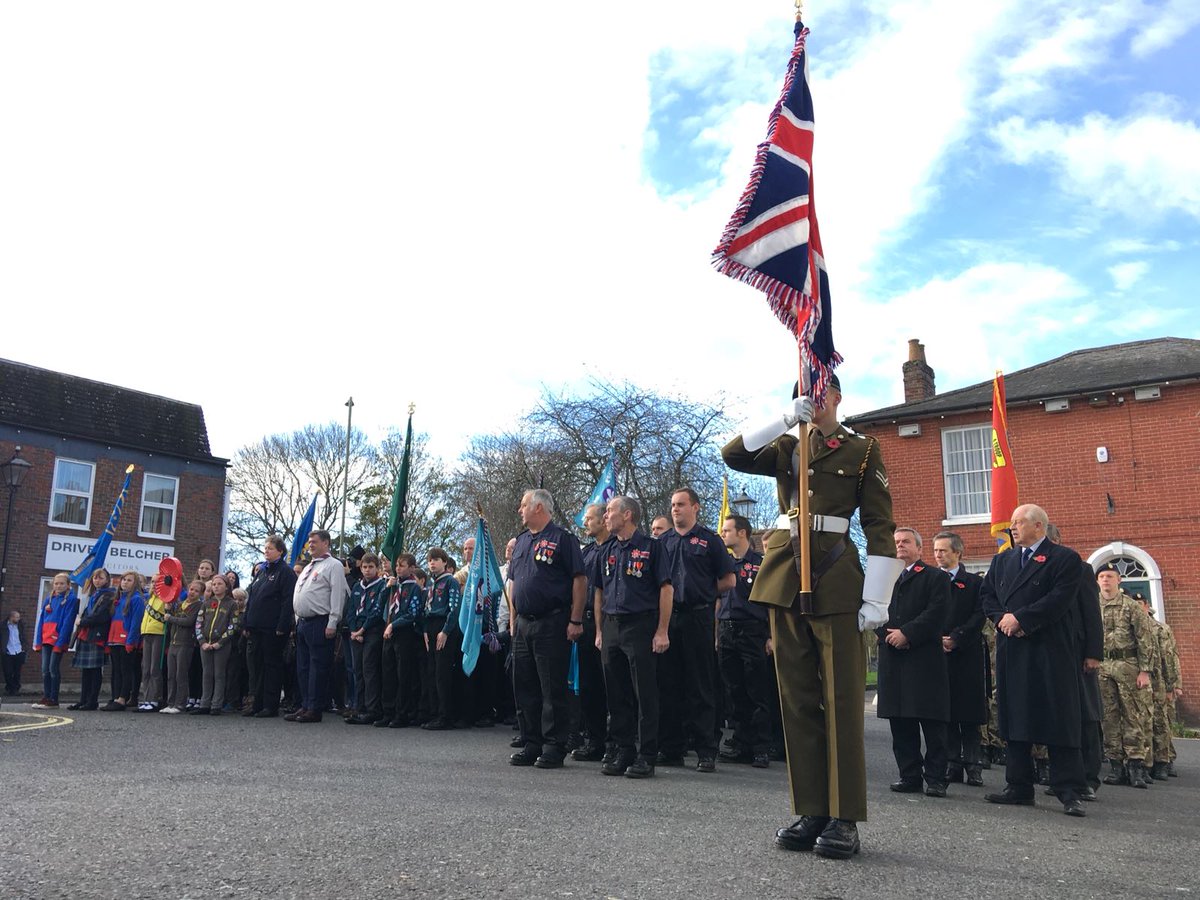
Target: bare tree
274	480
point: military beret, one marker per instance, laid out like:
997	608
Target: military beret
834	382
1107	567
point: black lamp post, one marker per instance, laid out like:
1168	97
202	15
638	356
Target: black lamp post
13	472
743	504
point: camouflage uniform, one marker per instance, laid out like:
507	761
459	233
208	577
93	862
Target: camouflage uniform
990	740
1129	648
1164	679
1175	683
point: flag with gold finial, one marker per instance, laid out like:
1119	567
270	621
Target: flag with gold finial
1004	473
726	512
99	552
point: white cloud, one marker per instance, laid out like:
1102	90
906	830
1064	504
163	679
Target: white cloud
1126	275
1137	246
1143	165
1165	25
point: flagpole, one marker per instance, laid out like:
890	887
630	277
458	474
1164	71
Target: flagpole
802	515
346	478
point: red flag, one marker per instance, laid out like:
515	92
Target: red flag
1004	475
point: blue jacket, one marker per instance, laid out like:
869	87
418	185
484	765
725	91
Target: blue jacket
56	620
366	604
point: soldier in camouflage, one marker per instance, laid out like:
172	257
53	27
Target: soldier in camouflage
1129	658
1164	681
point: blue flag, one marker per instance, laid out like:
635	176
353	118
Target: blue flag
482	594
606	487
303	530
573	669
99	552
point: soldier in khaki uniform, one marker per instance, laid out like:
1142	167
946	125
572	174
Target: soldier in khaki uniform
819	650
1174	692
1163	682
1129	658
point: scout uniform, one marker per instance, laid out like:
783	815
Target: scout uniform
366	613
402	655
442	602
820	662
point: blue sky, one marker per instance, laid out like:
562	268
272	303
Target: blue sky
410	204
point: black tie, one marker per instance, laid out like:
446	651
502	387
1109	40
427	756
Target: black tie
1026	552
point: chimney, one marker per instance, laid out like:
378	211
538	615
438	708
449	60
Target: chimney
918	377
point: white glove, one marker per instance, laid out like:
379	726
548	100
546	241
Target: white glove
756	438
872	614
802	411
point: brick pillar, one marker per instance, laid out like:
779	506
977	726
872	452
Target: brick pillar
918	377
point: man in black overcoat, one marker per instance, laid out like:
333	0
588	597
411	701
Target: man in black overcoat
914	693
962	642
1032	593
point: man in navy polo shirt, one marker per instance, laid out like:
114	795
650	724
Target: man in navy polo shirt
549	589
632	597
701	570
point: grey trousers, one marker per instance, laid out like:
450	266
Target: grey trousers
151	670
179	660
213	662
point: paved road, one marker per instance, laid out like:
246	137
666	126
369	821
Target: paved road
148	805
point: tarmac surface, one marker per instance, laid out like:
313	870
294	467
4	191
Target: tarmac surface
141	805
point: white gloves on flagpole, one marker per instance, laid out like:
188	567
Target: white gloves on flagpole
882	572
756	438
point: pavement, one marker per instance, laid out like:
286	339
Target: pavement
140	805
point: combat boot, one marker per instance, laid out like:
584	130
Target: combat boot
1159	771
1117	775
975	776
1043	771
1137	774
954	772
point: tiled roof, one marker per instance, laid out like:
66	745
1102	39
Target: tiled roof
69	406
1116	367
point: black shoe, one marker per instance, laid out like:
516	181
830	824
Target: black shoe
201	711
935	789
398	723
1088	794
523	758
1009	797
294	714
706	764
640	768
266	714
954	774
1073	807
549	761
669	759
485	722
250	713
370	719
906	787
437	725
839	840
975	776
801	834
75	706
617	764
761	761
588	753
735	755
516	743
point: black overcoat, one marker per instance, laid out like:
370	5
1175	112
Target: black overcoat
1090	635
965	663
1037	680
912	681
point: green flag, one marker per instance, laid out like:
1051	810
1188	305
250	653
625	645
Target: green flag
393	541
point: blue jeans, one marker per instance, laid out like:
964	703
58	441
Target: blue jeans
51	672
314	654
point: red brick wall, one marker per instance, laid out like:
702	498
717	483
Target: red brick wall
197	523
1153	477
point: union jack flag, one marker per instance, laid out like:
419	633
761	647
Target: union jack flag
772	242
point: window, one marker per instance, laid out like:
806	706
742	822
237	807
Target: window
159	495
967	464
71	499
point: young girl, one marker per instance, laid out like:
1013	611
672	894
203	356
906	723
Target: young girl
204	573
121	677
215	626
181	616
92	637
235	667
56	619
153	629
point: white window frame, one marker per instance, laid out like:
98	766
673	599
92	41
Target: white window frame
174	507
974	518
54	491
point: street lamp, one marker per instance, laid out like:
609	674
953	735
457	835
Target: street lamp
743	504
13	473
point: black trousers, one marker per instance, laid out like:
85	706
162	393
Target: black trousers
1067	778
90	681
593	707
368	671
195	676
264	661
745	668
443	671
962	744
541	653
119	676
1092	753
12	672
631	681
687	709
403	659
906	745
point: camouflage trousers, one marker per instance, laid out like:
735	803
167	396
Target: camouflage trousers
1171	722
1128	716
1162	746
989	734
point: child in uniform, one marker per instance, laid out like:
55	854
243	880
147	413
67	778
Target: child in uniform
92	638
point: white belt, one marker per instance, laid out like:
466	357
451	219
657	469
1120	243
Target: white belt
830	524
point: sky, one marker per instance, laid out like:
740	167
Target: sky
267	208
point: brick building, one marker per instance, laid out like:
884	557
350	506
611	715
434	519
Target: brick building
79	436
1107	440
